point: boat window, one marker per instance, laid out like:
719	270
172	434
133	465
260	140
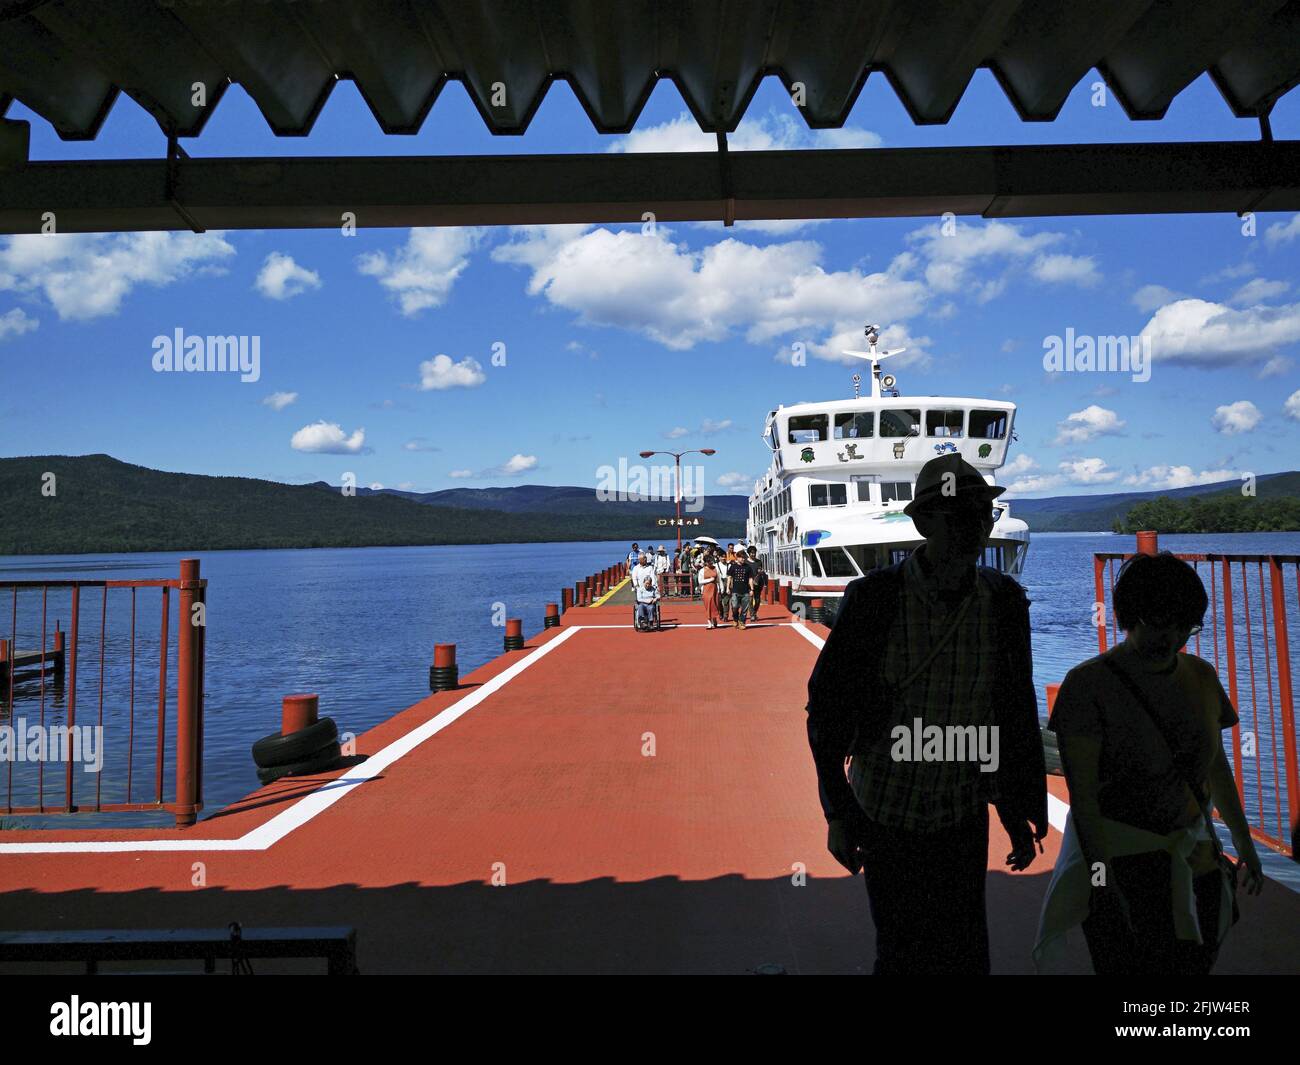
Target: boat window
835	563
943	422
867	556
810	565
988	424
808	428
854	425
900	422
863	489
893	490
827	495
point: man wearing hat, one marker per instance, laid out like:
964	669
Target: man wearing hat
926	682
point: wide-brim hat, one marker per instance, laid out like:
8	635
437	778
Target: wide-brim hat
950	479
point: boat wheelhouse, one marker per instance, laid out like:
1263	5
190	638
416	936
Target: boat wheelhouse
830	506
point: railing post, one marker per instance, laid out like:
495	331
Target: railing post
1284	695
1230	657
1098	565
187	697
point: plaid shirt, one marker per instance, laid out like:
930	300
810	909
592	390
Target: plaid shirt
956	689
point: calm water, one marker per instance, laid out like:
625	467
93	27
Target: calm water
358	626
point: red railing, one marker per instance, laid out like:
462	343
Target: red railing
1247	638
46	676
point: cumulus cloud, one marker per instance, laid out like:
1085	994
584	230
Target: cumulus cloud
1020	464
1066	270
1292	406
1149	297
512	467
1087	424
1176	477
16	322
773	131
951	253
440	373
281	278
1088	471
328	438
421	273
1233	418
1258	290
646	283
1283	232
88	275
279	400
1197	332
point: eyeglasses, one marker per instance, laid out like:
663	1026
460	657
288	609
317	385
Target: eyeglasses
1170	623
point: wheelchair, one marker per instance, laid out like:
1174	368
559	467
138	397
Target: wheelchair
656	625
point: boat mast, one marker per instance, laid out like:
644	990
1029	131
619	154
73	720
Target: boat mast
872	333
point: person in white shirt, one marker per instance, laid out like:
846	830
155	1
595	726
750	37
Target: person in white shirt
646	597
641	570
662	565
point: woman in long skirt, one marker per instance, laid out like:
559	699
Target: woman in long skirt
709	590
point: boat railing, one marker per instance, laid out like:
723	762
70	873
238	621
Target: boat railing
1248	633
87	730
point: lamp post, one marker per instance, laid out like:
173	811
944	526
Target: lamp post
677	456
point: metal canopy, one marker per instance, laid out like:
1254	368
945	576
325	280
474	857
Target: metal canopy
68	60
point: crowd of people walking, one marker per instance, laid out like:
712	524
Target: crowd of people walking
730	583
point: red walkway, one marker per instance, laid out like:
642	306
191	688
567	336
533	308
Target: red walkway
647	800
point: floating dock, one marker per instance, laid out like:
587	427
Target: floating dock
601	800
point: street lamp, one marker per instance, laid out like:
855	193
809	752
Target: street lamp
677	455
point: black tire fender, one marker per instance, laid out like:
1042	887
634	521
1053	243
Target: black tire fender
276	750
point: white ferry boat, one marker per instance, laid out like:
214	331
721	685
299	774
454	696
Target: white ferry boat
830	506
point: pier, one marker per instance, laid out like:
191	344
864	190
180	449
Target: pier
600	800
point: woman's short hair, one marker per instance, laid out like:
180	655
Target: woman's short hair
1158	589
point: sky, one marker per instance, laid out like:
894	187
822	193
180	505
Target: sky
437	358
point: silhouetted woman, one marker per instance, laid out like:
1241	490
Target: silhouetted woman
1140	737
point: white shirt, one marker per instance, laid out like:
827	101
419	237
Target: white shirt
662	563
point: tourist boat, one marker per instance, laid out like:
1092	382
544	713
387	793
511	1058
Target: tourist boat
830	506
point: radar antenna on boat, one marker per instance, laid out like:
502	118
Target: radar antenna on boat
872	333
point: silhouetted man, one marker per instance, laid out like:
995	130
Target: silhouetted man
926	681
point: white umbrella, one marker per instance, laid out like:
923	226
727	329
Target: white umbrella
706	540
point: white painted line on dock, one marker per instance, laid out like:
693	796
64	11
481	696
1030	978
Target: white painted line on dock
309	806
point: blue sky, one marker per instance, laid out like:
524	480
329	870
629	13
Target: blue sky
377	349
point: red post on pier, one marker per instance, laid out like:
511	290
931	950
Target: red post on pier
566	599
552	618
578	599
188	673
514	634
297	712
443	675
1146	542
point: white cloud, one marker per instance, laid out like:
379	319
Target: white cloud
1292	406
328	438
460	473
774	131
1088	471
422	272
281	278
419	443
646	283
1035	483
1200	333
1176	477
1087	424
735	480
951	253
677	433
1283	232
1275	367
406	486
708	427
1258	290
16	322
1233	418
1020	464
279	400
1066	270
440	373
1149	297
517	464
88	275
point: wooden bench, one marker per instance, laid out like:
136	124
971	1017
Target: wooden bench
337	945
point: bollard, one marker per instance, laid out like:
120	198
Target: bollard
514	634
552	618
443	675
297	712
60	652
566	599
816	613
577	594
1147	543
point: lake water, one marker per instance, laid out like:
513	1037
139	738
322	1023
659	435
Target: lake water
358	625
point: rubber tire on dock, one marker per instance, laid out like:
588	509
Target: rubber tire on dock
1052	754
277	750
323	760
